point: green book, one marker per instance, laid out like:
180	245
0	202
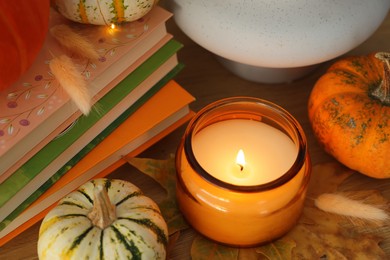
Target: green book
36	171
108	130
36	104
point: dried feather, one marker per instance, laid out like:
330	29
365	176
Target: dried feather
73	42
71	80
342	205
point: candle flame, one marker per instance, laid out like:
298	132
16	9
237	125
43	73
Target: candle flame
240	159
113	26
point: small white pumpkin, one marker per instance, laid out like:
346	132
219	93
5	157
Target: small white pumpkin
103	12
104	219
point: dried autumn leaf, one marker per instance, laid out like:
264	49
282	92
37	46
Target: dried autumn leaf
277	250
320	235
204	249
326	178
163	171
323	235
317	235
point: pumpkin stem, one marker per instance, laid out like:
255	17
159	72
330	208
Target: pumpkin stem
103	211
383	91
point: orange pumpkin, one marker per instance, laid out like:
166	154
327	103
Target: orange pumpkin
23	27
349	110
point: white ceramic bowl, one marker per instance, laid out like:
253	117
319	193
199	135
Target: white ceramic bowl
281	39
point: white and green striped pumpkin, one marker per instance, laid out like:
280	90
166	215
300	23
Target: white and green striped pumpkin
103	12
104	219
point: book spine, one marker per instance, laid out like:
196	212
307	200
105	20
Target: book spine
89	147
52	150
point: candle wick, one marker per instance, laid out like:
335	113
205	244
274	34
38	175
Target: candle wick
241	167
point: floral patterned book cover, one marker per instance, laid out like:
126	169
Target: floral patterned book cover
45	163
35	109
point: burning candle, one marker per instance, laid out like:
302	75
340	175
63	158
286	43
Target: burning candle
242	170
269	152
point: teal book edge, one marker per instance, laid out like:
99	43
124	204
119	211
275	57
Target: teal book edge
106	132
53	149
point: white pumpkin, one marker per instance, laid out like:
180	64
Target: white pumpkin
103	12
104	219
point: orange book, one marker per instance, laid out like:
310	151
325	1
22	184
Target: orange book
142	129
40	169
29	223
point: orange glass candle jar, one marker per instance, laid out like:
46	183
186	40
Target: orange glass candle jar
242	171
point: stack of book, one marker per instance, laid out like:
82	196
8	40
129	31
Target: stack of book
48	147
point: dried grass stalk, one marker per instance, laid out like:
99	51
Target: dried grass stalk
73	42
71	81
342	205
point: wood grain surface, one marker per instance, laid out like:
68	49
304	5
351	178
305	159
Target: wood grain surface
206	79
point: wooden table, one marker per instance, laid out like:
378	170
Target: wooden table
206	79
